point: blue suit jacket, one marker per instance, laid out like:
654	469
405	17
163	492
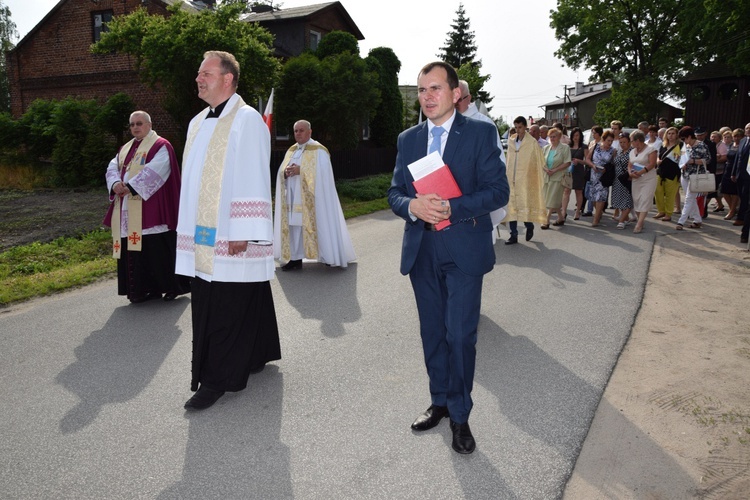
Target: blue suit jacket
740	161
472	154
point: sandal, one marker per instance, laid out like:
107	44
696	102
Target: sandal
544	226
666	219
559	223
577	215
695	225
659	215
637	230
679	227
620	225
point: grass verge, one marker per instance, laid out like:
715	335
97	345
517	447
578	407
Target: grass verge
39	269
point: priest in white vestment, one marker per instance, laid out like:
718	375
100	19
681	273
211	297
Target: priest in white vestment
309	222
224	236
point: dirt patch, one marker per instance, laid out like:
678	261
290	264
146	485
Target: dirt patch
43	215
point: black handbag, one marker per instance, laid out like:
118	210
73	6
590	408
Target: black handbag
667	169
608	176
625	180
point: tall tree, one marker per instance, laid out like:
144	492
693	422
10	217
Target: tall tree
8	33
459	47
388	120
460	52
169	50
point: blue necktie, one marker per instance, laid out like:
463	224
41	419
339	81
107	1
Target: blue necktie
437	132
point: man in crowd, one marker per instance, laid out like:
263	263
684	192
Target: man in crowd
309	221
143	181
469	109
536	133
616	127
224	236
526	178
741	175
446	267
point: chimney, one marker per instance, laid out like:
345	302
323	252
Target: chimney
258	9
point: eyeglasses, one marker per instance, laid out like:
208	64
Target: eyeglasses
464	98
136	124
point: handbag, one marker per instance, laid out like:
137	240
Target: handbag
625	180
704	182
608	176
668	169
567	180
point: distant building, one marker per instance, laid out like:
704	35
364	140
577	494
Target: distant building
53	60
577	108
715	97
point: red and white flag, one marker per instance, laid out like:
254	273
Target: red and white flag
268	113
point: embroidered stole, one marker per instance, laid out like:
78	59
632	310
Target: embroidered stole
135	202
207	212
308	174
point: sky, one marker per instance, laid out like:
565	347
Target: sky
514	42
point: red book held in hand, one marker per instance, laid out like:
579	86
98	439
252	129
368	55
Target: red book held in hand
431	175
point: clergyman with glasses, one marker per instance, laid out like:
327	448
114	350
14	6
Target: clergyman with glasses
143	181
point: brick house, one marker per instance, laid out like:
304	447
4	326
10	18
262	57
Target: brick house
53	60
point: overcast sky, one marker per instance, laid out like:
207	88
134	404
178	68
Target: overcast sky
514	41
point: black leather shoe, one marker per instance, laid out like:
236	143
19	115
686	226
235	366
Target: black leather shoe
512	240
430	418
291	265
743	239
203	399
530	233
463	441
145	298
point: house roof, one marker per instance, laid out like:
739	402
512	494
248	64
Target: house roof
715	70
189	5
576	98
303	13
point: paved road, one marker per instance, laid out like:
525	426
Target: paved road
93	387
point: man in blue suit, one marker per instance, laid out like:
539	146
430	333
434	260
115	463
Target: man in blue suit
741	175
446	267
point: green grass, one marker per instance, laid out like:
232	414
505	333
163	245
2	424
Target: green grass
43	268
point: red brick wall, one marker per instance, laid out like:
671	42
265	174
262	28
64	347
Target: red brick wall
55	62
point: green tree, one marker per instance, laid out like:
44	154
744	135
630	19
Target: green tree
169	50
388	120
645	46
460	52
459	47
337	42
335	94
470	73
8	33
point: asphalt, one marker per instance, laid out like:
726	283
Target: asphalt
93	387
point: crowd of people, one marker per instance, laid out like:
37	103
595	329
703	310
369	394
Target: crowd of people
628	172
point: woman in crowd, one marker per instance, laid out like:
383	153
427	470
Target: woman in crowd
557	160
721	161
578	170
599	155
728	186
564	139
697	161
622	198
668	172
642	168
652	139
596	138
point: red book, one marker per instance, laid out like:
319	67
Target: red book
442	183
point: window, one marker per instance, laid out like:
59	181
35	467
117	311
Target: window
729	91
701	93
314	40
99	23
